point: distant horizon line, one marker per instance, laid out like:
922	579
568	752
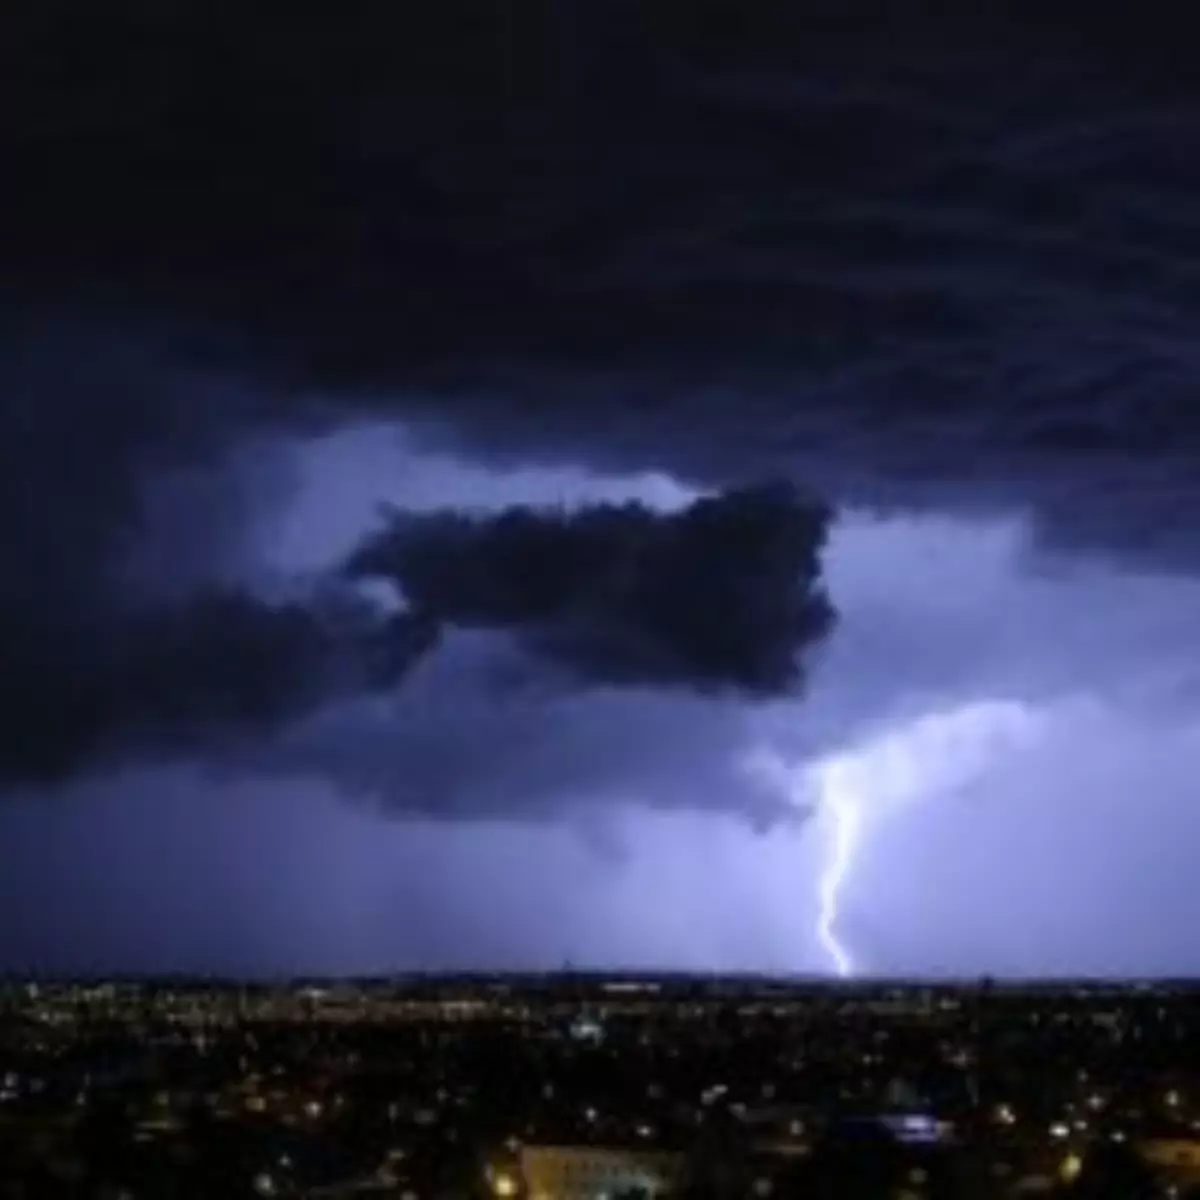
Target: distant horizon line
599	975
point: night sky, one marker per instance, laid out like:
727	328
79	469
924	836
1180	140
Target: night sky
611	482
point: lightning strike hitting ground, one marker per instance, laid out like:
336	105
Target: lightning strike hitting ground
931	755
845	822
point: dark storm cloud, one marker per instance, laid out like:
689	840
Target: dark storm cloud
723	594
479	731
955	268
99	659
906	258
182	679
127	634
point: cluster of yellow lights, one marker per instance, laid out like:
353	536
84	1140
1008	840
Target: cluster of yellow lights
1070	1167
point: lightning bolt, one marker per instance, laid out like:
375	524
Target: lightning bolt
837	803
845	822
928	755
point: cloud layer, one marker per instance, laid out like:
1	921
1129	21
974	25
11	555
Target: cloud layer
724	594
951	263
955	272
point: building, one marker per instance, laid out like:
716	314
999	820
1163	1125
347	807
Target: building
597	1172
1174	1159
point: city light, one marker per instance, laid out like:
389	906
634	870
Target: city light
656	1129
1070	1168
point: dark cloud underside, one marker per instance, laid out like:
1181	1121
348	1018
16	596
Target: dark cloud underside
724	595
889	251
895	259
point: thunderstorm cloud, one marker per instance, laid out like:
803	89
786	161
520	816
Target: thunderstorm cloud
724	593
388	405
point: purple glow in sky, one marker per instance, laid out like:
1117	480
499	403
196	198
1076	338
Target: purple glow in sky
938	715
1011	735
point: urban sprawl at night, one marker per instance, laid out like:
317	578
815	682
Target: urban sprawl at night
582	1087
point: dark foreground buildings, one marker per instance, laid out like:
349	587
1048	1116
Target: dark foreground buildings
597	1089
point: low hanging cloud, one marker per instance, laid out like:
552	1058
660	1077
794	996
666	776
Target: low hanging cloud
724	595
479	730
186	679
